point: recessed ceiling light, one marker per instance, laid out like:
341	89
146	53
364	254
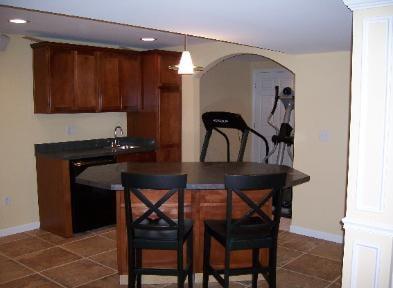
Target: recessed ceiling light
18	21
148	39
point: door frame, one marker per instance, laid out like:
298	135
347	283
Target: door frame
254	151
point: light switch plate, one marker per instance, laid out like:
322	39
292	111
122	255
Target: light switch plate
324	136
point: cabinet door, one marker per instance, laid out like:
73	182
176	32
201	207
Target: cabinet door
62	80
130	82
41	92
168	76
109	84
170	125
86	92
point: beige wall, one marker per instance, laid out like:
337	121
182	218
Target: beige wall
226	87
21	129
322	105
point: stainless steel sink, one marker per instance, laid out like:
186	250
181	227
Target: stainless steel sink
123	147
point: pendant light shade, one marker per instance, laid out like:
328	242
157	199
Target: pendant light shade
185	66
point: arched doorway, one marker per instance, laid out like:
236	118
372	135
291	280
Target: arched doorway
245	84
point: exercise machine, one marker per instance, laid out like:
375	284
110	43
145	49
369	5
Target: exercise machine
216	120
283	139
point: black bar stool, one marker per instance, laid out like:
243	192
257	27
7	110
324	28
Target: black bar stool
161	232
250	232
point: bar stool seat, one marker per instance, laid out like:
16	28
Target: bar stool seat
242	237
165	239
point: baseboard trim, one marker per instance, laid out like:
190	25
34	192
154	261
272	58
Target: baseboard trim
316	234
19	229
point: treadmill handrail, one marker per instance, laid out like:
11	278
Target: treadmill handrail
215	120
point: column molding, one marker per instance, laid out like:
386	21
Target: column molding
365	4
368	224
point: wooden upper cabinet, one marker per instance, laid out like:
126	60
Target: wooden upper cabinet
62	79
168	76
156	74
159	116
130	82
74	78
86	90
109	81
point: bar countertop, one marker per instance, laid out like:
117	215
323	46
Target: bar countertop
207	175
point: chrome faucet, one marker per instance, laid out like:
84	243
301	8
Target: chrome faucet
115	142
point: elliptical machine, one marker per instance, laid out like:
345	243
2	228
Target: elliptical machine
283	140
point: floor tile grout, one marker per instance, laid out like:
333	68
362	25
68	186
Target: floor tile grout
307	275
91	281
34	272
101	234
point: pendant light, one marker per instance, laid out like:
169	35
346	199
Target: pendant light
185	66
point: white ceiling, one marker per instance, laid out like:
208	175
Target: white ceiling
290	26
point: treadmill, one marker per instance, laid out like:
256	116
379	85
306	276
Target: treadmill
214	121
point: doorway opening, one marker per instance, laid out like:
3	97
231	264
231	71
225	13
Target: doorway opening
245	84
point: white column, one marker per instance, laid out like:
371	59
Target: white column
368	224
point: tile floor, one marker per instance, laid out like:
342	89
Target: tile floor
38	259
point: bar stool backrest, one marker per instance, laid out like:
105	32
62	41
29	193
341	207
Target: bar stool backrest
134	184
238	184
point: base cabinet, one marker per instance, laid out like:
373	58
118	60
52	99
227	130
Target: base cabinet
54	190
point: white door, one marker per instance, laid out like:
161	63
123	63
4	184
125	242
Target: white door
263	94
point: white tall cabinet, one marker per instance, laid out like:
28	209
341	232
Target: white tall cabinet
368	223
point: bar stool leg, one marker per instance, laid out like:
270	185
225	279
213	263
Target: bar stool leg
227	266
206	259
180	271
139	265
190	248
131	267
272	266
255	262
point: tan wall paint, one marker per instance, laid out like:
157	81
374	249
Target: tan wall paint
322	104
21	129
226	87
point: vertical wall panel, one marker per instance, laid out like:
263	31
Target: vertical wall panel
373	128
365	258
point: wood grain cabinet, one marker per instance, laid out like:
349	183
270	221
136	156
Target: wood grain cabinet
159	114
54	190
75	78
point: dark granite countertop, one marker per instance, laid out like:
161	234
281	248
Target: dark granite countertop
208	175
72	150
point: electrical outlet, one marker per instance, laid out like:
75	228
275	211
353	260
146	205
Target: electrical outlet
7	201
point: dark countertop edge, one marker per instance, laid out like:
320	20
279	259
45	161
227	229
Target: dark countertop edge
92	153
73	150
119	187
